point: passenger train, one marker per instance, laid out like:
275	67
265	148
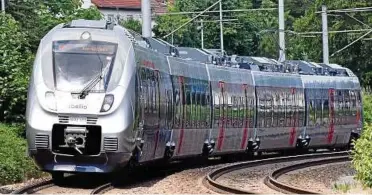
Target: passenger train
100	97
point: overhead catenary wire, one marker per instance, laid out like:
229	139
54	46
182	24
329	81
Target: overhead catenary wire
216	11
192	19
361	37
357	9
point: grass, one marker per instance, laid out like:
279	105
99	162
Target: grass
343	187
15	166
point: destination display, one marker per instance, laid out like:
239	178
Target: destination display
84	47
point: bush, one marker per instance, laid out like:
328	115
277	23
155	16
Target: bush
362	153
15	166
367	109
15	66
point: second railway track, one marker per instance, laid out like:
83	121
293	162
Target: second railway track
271	181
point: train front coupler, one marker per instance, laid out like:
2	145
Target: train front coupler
208	147
253	145
75	138
169	149
303	141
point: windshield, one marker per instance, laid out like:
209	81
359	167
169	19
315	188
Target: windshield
76	63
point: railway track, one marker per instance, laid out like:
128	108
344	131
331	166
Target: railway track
273	182
30	189
211	179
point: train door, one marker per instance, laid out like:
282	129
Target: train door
178	116
150	101
163	134
220	116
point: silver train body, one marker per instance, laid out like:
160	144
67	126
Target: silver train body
99	99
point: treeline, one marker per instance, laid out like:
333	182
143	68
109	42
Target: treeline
21	29
255	33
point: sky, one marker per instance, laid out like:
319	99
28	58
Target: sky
86	3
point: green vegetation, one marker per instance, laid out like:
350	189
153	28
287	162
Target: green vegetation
15	166
362	153
343	187
22	27
132	24
255	33
25	23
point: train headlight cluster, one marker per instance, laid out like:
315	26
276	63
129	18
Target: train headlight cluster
107	103
50	100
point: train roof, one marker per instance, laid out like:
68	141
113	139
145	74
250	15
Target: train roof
104	29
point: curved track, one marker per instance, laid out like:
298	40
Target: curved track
211	179
273	183
30	189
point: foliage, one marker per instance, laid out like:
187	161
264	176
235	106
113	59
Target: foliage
21	30
14	165
132	24
342	187
15	64
367	109
362	161
255	33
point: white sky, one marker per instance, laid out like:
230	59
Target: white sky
86	4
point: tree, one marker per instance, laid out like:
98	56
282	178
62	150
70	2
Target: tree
15	61
37	17
132	24
21	30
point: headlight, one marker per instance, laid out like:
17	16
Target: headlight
107	103
50	100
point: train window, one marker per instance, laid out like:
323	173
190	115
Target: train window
275	107
193	113
312	109
169	109
288	109
178	98
340	107
318	114
217	108
228	104
301	109
269	109
187	109
281	110
250	112
261	109
325	114
242	106
197	110
206	109
235	111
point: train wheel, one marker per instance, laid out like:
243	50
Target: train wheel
58	177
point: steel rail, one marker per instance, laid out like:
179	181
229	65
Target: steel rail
30	189
211	182
102	189
273	183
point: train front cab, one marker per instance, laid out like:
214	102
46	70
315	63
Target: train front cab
71	131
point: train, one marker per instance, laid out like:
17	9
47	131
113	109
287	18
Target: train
101	97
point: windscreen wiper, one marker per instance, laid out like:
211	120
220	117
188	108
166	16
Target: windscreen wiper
93	82
90	85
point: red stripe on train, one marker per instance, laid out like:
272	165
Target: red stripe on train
331	128
244	140
180	141
221	134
